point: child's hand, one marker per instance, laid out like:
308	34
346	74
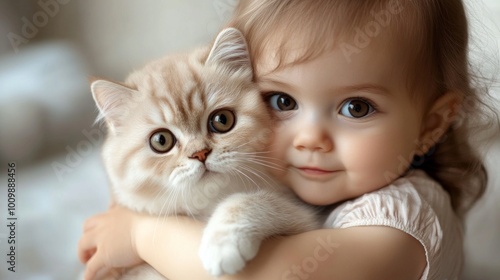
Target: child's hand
108	241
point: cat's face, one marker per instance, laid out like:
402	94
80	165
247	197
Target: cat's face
183	122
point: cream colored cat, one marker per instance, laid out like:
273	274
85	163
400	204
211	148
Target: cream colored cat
187	135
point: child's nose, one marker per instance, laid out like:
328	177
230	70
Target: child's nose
313	138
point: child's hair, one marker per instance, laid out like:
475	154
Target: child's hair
434	34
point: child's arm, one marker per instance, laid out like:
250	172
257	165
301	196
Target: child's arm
171	246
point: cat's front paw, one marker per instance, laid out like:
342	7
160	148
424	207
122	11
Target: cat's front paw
226	252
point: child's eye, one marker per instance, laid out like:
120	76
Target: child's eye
356	108
282	102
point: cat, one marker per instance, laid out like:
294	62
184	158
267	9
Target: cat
187	135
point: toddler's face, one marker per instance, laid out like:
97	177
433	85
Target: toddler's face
347	126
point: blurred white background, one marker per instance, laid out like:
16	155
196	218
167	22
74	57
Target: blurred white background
50	48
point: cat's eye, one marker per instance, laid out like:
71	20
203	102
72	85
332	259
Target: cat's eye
282	102
356	108
221	121
162	141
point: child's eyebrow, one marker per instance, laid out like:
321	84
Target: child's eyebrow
374	88
274	83
366	87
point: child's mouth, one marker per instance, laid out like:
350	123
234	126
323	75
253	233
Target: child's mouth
314	171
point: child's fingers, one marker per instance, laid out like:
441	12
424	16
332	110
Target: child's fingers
91	222
86	247
87	243
86	255
95	268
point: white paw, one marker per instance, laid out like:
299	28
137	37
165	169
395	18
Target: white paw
226	252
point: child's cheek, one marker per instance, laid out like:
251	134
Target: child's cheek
377	161
277	152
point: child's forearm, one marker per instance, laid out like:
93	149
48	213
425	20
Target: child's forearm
171	246
175	254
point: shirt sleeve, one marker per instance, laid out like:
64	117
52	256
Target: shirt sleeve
399	206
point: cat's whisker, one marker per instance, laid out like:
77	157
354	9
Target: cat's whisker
270	180
257	156
161	194
188	209
261	158
244	178
168	193
177	194
265	163
170	197
252	180
238	174
243	144
273	159
261	175
253	153
261	163
160	213
168	208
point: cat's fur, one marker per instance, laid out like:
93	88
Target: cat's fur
217	177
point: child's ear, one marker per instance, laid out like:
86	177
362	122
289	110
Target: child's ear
437	121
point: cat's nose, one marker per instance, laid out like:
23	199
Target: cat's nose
201	155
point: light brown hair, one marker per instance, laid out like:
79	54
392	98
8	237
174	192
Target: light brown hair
434	33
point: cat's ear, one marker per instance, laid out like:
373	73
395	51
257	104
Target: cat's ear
230	51
112	100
